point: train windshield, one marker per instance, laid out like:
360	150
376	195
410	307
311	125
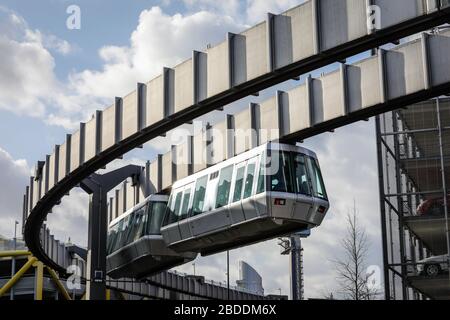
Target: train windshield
294	172
155	216
144	221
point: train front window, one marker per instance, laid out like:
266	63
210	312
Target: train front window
156	215
300	176
199	196
281	172
316	178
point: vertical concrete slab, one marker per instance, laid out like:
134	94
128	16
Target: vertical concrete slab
439	63
167	170
394	12
299	109
269	121
183	158
156	175
200	65
64	158
91	139
219	142
238	54
333	96
404	70
109	127
302	28
281	41
184	85
218	68
131	196
130	118
199	147
257	59
77	148
155	101
364	84
341	21
246	136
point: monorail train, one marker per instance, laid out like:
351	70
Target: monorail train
267	192
135	245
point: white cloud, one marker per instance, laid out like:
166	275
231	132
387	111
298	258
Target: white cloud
159	41
14	175
248	12
257	9
70	218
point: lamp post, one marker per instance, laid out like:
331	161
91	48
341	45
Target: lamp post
13	261
194	268
228	275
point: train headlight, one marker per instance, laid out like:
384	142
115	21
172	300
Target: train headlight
280	202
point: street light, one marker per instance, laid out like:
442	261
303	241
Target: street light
194	268
13	261
228	274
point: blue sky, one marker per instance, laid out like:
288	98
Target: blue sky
55	77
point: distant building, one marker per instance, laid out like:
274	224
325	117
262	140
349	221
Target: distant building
250	279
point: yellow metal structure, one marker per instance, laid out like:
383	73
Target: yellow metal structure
58	283
39	276
17	276
18	253
39	280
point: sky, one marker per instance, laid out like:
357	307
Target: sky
51	78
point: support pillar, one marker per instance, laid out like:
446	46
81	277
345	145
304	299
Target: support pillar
97	186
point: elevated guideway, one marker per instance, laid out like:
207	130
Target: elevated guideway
281	48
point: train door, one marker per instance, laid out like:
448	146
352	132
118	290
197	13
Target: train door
248	205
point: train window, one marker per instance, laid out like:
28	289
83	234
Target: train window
116	245
177	207
262	177
122	236
316	179
223	191
300	176
129	229
199	195
281	172
185	204
138	224
173	208
249	180
155	217
112	236
238	184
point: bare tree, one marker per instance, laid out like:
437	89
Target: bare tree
351	268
